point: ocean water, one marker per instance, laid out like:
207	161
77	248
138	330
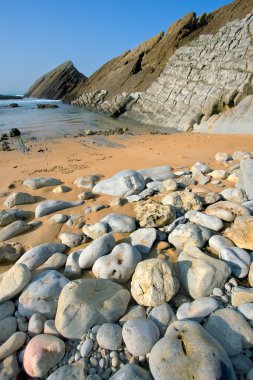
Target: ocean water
63	121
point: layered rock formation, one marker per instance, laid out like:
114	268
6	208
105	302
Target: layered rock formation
64	83
201	79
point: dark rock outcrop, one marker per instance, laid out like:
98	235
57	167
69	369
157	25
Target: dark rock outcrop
63	83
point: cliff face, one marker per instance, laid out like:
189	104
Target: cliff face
210	74
64	82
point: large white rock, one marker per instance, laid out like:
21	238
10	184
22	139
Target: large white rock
154	282
218	242
86	303
184	201
143	239
157	173
234	195
119	265
38	255
140	335
47	207
211	222
188	352
231	330
18	199
238	259
198	309
119	223
96	230
72	240
15	228
13	281
99	247
42	294
199	273
189	235
123	183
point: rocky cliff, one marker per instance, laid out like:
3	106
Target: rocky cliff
135	71
64	82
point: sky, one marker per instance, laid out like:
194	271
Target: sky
38	35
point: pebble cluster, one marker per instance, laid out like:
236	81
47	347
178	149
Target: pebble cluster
173	297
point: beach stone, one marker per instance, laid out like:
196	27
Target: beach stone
212	197
37	183
119	223
170	185
13	281
242	364
86	347
211	222
189	235
248	205
88	302
241	232
234	195
181	220
61	189
133	312
218	242
250	375
241	295
109	336
163	316
140	335
7	309
47	207
198	309
184	201
238	259
71	240
9	368
99	247
246	309
19	199
42	294
199	177
203	168
233	210
185	351
59	218
123	183
49	328
199	273
75	371
38	255
239	155
86	195
154	283
153	214
119	265
231	330
10	251
143	239
246	175
36	324
6	217
8	327
56	261
96	230
222	157
88	182
16	228
157	173
222	214
219	174
72	268
131	371
13	344
42	353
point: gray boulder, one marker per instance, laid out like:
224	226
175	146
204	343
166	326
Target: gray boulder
189	235
99	247
119	223
109	336
10	216
72	268
13	281
37	183
158	173
143	239
16	228
238	259
123	183
163	316
73	371
19	199
131	371
47	207
10	251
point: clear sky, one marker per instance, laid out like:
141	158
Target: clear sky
38	35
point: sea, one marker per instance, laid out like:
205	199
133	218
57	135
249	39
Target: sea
66	120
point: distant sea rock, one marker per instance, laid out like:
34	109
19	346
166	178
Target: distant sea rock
62	83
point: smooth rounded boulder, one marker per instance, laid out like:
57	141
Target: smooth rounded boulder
198	309
238	259
199	273
119	265
188	352
13	281
88	302
122	184
38	182
99	247
109	336
143	239
119	223
189	235
19	199
140	335
42	353
47	207
154	282
211	222
42	294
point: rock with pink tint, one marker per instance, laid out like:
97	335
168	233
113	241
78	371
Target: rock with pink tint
42	353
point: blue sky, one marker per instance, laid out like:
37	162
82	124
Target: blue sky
38	35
